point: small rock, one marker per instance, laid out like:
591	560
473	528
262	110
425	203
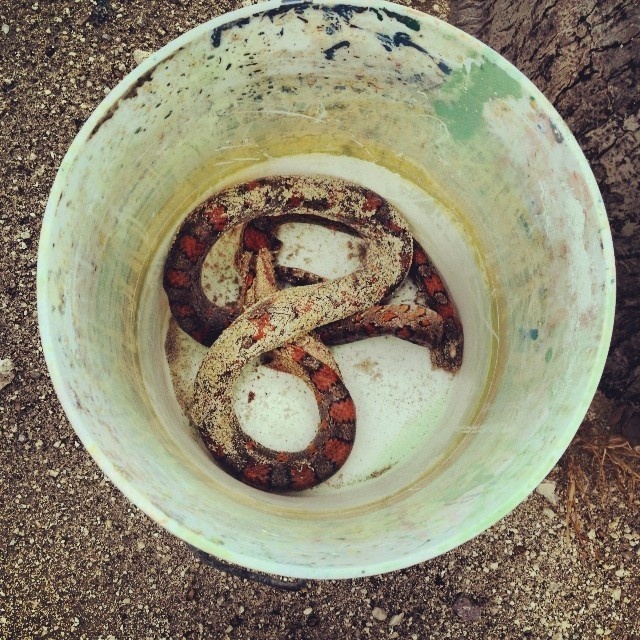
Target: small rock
396	620
616	594
547	489
467	610
139	55
308	611
5	28
6	372
379	614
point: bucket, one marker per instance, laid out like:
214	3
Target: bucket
491	183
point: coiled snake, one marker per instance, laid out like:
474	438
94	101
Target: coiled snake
289	327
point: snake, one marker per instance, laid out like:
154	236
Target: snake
284	326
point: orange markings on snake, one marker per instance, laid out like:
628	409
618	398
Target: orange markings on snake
254	239
264	326
372	201
257	475
324	378
217	217
293	201
302	477
191	247
337	450
183	310
175	278
388	316
343	411
237	336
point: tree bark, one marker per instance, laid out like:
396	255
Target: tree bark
584	55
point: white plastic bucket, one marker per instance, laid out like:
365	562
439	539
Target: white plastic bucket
492	183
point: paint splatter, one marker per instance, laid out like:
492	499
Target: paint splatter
466	93
331	51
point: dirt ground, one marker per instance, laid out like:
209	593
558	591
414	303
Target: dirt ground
79	561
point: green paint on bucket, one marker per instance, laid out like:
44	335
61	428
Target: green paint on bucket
465	94
548	355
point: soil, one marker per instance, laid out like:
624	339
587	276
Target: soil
77	560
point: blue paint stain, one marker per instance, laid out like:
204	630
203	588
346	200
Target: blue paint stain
533	334
285	7
407	21
399	39
556	132
346	11
331	51
387	41
216	34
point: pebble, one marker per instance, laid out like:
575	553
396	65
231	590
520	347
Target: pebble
6	372
308	611
5	28
379	614
547	489
139	55
396	620
467	610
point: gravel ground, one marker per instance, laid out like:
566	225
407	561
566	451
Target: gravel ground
77	560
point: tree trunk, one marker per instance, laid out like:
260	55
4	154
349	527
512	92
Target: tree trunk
584	55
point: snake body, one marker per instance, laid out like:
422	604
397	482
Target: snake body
288	327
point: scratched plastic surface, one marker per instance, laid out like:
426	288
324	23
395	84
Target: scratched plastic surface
492	183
